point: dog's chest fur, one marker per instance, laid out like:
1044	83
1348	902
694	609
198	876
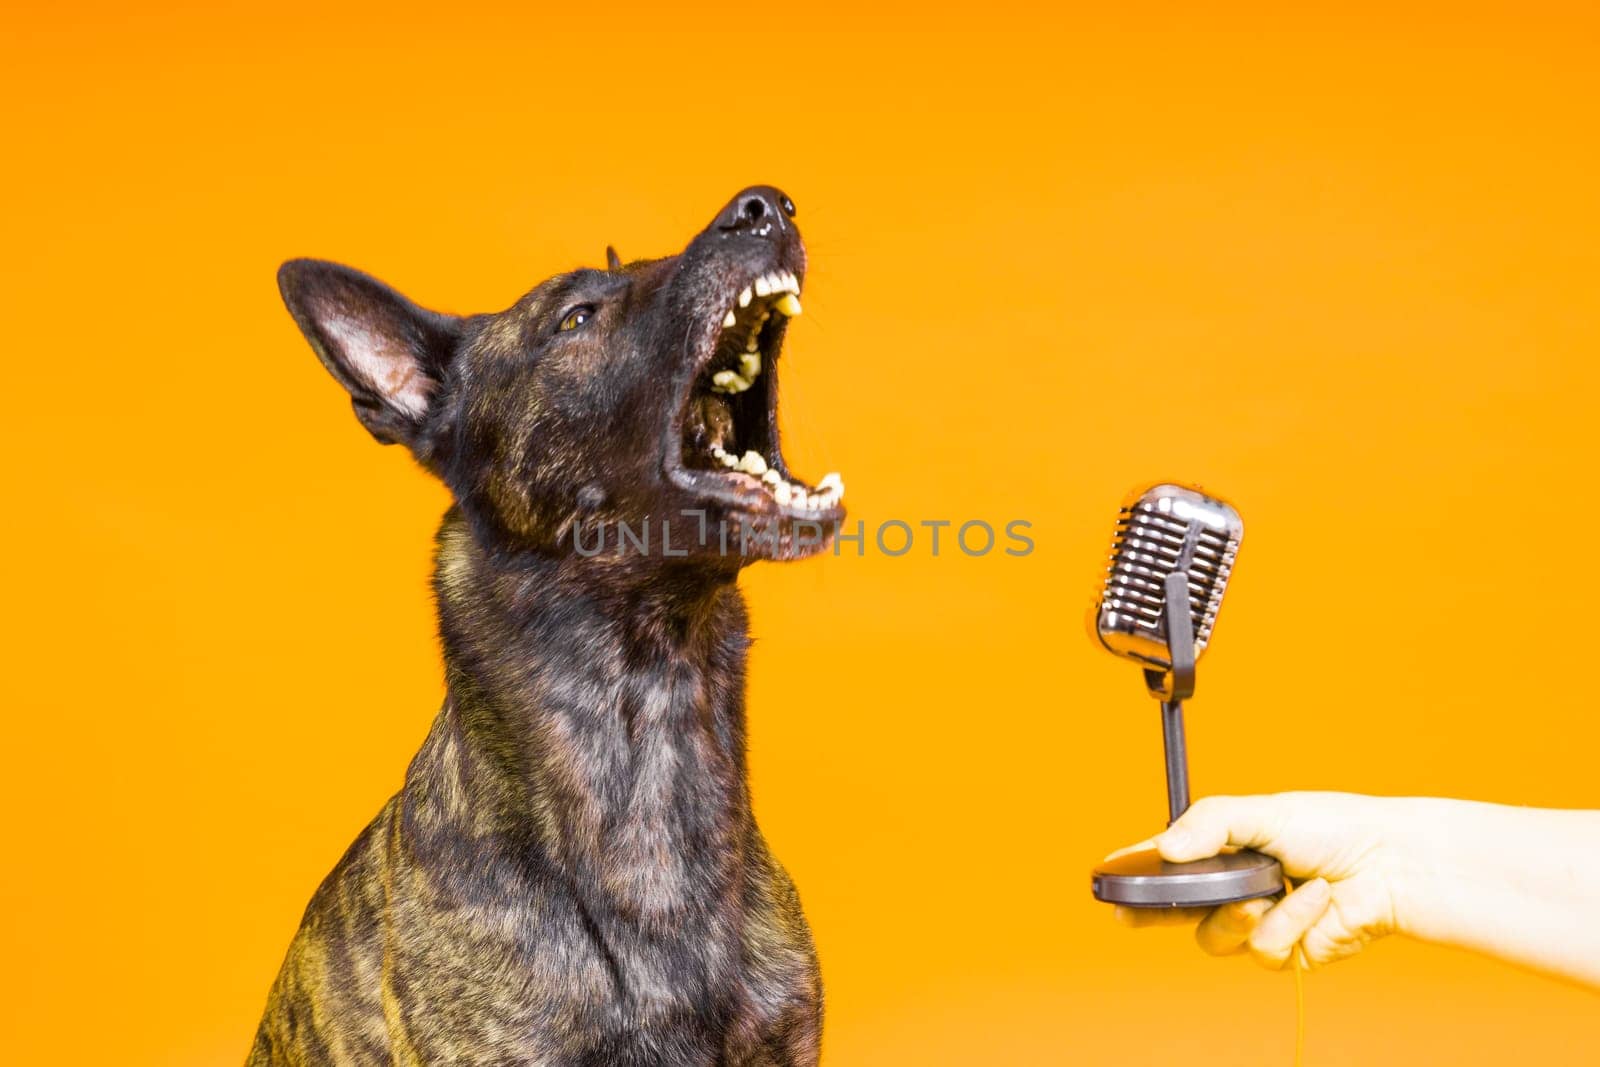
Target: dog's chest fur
571	873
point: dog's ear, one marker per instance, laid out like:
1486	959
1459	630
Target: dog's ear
389	353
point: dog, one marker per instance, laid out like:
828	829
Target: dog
571	874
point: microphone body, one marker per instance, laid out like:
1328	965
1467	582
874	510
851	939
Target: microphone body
1164	530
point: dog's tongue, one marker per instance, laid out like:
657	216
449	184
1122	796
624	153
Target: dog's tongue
710	423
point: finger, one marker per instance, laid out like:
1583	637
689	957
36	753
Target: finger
1226	929
1330	938
1148	842
1283	927
1141	917
1214	822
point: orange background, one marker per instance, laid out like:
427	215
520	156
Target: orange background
1339	266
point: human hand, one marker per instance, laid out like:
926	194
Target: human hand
1346	850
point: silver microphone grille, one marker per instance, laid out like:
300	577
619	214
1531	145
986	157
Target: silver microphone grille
1159	530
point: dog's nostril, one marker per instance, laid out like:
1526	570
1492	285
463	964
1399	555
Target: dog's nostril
761	210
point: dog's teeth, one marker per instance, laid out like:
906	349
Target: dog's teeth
789	304
744	297
728	320
750	365
790	282
831	485
727	381
752	463
717	450
753	342
781	492
763	288
772	477
728	460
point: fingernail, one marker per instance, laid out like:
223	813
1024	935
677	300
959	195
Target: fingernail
1148	842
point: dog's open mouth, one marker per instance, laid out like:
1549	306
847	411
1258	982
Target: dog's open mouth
729	419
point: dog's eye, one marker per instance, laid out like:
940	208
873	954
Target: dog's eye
577	317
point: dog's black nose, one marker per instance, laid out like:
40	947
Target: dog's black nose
761	210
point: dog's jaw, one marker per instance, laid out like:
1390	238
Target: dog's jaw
722	446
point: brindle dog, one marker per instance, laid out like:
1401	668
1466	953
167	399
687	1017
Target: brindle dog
571	874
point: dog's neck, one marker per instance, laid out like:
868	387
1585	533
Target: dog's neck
594	719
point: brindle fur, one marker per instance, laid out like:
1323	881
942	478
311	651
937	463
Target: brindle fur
571	874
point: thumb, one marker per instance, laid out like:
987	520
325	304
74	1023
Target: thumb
1214	822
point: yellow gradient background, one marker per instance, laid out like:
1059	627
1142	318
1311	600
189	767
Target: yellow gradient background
1339	265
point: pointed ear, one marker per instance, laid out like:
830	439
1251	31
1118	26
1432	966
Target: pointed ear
613	261
386	351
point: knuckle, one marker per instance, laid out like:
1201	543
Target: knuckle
1208	808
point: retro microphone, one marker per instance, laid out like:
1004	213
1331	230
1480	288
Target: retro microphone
1171	556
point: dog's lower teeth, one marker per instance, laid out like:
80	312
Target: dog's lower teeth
827	493
789	304
750	365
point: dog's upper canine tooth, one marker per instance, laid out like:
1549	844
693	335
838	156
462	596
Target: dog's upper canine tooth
789	304
728	320
744	297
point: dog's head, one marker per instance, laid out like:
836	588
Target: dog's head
602	398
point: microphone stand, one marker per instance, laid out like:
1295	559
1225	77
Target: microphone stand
1143	879
1173	687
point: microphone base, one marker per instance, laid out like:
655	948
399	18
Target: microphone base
1145	880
